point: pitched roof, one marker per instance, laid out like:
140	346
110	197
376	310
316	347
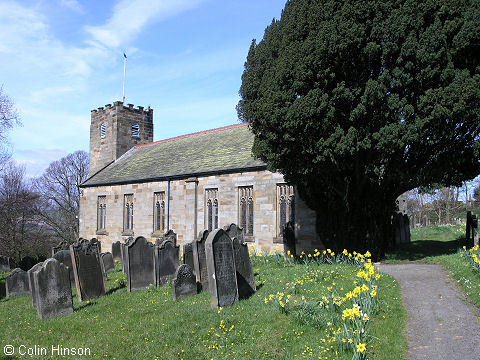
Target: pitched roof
223	150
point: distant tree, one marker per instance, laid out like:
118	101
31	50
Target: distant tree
476	194
356	102
59	191
9	117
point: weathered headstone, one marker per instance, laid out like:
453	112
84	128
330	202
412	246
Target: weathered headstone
16	283
116	251
4	263
167	260
140	264
53	290
184	283
31	282
200	260
188	255
234	231
171	236
64	257
62	245
222	279
87	269
243	267
108	263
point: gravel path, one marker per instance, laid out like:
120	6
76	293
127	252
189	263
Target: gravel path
440	325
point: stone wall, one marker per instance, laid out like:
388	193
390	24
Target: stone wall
186	213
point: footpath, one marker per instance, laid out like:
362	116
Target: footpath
441	325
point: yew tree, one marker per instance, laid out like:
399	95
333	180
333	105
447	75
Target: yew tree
356	102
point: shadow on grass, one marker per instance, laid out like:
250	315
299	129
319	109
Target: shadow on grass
116	288
418	250
84	304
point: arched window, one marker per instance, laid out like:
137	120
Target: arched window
128	212
102	130
285	207
159	212
215	212
246	211
209	214
135	129
101	213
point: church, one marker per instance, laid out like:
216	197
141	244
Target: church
189	183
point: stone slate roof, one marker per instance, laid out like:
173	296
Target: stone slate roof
223	150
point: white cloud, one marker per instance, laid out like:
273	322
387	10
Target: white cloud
73	5
131	16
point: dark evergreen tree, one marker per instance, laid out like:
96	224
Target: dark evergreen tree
358	101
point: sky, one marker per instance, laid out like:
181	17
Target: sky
60	59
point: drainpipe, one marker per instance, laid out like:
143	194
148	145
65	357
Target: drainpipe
168	205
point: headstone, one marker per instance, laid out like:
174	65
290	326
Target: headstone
4	263
222	279
108	263
87	269
184	283
140	264
234	231
62	245
406	223
200	260
27	262
475	230
188	255
64	257
243	268
53	290
31	283
167	260
16	283
170	235
116	251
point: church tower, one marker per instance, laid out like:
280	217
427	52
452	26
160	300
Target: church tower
114	130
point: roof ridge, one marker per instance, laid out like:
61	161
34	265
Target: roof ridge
191	134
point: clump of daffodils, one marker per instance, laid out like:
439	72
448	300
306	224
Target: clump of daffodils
472	255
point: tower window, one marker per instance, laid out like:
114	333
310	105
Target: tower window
102	130
135	129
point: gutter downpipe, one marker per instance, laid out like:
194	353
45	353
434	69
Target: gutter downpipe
168	205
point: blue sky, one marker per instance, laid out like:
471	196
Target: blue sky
60	59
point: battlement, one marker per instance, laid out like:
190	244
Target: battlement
118	106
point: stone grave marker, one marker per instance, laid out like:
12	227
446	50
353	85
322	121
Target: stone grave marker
62	245
184	283
170	235
222	279
108	263
200	260
243	268
188	255
87	269
16	283
234	231
167	260
116	251
140	264
64	257
31	282
53	290
4	263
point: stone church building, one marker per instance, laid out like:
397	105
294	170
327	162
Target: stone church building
188	183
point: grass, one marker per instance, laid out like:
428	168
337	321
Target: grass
148	324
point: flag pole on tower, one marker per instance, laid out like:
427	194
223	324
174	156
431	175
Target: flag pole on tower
124	71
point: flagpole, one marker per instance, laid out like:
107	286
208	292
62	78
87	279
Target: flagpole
124	71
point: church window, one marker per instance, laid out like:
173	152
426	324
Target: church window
211	209
285	206
135	129
159	212
128	213
102	130
101	212
245	194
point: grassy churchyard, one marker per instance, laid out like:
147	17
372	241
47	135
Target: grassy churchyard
303	310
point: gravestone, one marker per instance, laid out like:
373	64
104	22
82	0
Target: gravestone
62	245
222	279
108	263
4	263
116	251
167	261
171	236
53	290
234	231
16	283
475	230
188	255
87	269
64	257
31	282
469	226
184	283
200	260
140	263
243	268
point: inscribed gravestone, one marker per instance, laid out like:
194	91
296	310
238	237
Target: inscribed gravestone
116	251
31	282
167	261
184	283
222	279
140	264
16	283
234	231
108	263
4	263
62	245
243	267
188	255
53	290
87	269
200	260
64	257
